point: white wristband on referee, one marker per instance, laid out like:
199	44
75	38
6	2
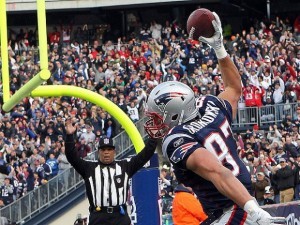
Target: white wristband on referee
221	53
251	206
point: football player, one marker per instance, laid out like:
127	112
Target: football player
198	141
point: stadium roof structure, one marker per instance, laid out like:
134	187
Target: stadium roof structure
256	6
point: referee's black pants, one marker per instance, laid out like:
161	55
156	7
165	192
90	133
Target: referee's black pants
104	218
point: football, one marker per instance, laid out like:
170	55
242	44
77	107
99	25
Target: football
199	24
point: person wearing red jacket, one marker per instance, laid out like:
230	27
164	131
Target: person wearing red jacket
54	37
249	96
258	95
186	207
291	71
252	99
124	53
82	148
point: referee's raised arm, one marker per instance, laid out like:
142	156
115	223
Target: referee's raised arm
71	153
138	161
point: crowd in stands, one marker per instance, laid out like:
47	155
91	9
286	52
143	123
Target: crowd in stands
125	70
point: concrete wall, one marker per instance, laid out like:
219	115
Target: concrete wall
70	216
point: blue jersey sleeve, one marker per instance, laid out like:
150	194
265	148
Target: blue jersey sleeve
177	147
224	106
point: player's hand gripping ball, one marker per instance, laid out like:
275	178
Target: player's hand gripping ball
199	24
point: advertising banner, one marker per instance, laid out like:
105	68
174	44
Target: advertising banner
291	211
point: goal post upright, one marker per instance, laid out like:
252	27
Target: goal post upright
44	74
4	51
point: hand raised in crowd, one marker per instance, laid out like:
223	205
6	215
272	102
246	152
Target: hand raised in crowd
8	149
47	140
70	128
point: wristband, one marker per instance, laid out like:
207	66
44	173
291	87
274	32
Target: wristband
251	206
221	53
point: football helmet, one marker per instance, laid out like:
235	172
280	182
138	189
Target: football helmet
169	104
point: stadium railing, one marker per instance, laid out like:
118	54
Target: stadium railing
264	115
39	199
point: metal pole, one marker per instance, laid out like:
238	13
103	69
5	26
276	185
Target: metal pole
4	51
268	9
42	31
124	23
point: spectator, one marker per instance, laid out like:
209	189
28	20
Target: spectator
6	191
155	29
39	169
63	162
249	96
28	173
166	202
53	163
88	135
35	157
22	185
110	128
259	184
37	180
296	168
82	148
290	148
279	90
284	175
133	111
280	154
2	204
46	168
63	167
274	135
166	180
186	208
269	196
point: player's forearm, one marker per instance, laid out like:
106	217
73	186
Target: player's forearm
230	74
231	187
206	165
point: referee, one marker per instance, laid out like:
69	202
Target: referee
106	180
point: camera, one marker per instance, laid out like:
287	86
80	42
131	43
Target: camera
80	221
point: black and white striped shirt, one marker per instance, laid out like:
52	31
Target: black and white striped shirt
107	185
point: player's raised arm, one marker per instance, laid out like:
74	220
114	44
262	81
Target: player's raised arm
230	74
206	165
